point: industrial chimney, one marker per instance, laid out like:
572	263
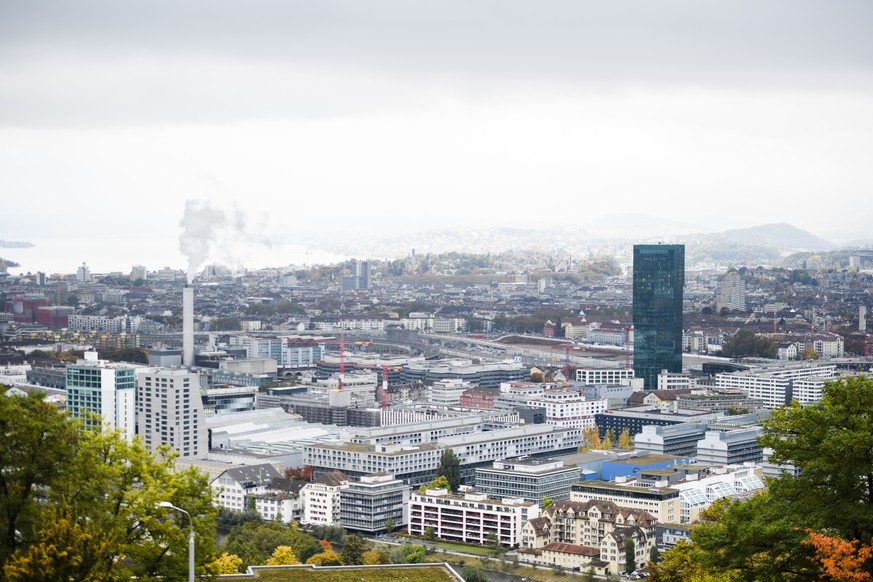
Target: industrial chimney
188	326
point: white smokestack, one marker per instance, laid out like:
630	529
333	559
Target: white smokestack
862	318
188	326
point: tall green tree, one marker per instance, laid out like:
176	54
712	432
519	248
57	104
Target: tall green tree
630	555
450	468
37	447
353	550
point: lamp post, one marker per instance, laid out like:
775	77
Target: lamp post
168	505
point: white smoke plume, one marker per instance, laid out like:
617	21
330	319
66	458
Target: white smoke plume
201	226
210	232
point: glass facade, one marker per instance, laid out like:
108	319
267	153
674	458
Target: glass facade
659	277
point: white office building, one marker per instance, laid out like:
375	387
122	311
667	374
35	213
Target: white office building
589	376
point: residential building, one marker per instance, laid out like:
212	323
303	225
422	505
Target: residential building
96	388
566	408
233	488
170	411
368	504
281	501
593	530
658	281
662	502
321	498
529	478
470	516
731	293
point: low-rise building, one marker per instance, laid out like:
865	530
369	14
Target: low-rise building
470	516
529	478
233	488
662	502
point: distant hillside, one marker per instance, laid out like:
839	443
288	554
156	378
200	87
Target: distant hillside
781	236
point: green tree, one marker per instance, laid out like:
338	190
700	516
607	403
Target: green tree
630	555
547	502
256	542
412	554
37	447
430	533
100	494
473	574
389	525
654	554
450	468
745	343
492	540
353	550
831	442
440	482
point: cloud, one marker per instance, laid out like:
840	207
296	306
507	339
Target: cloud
168	61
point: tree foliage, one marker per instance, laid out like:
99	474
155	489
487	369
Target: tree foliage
450	468
547	502
325	558
630	556
374	557
353	550
98	515
282	556
256	542
226	564
811	526
746	343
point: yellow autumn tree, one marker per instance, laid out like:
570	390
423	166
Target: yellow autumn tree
282	556
226	564
625	441
374	557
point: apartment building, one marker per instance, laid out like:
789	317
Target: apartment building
773	386
469	516
169	411
566	408
592	376
321	498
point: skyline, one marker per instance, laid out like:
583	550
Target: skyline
341	120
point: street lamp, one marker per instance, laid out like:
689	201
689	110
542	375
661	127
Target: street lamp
168	505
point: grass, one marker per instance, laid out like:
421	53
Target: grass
479	550
399	574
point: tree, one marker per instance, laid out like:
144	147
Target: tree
547	503
389	525
99	494
625	441
256	542
374	557
430	533
746	343
282	556
226	564
412	553
492	540
473	574
440	482
654	554
630	555
841	560
450	468
37	446
831	442
325	558
353	550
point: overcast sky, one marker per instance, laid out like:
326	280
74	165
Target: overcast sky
365	116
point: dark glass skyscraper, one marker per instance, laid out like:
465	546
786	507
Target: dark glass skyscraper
659	276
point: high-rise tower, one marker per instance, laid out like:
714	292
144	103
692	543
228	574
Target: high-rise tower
659	276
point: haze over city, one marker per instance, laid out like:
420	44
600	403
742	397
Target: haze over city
311	123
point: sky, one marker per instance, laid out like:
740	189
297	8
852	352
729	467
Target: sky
301	121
